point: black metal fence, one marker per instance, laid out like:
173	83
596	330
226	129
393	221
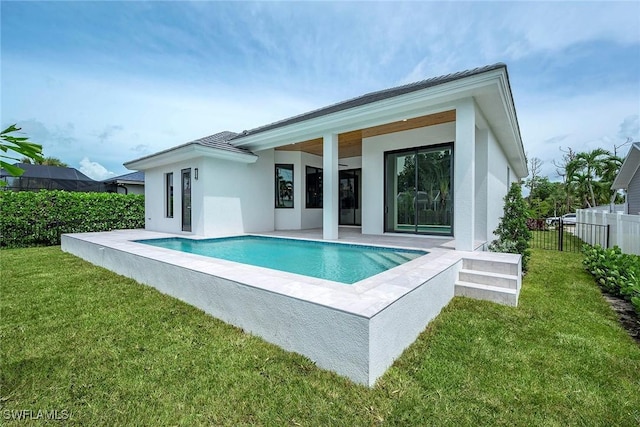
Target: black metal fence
567	236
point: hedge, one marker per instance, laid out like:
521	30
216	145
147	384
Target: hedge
39	218
615	272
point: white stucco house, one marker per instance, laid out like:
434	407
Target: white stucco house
434	158
628	179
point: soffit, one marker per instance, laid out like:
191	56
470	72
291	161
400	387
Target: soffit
350	143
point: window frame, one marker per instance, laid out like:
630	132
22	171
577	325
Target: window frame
169	199
279	192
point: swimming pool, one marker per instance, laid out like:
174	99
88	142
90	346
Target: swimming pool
338	262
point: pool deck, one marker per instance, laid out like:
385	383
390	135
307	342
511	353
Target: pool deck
355	330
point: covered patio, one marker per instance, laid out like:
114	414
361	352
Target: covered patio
355	235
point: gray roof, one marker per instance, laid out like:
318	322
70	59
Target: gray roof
137	176
372	97
218	141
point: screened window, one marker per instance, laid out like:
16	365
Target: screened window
168	191
284	186
314	187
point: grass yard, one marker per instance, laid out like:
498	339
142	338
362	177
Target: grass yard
102	350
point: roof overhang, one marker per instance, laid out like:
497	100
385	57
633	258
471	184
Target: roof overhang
127	182
490	90
628	169
188	152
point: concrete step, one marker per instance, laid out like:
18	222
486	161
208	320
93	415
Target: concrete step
489	278
500	295
491	265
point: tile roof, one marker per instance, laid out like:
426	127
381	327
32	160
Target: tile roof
220	141
132	176
370	98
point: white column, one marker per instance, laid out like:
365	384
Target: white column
481	189
464	175
330	187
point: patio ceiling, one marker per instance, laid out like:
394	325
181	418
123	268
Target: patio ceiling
350	143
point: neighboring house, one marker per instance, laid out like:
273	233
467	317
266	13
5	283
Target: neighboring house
432	158
628	179
44	177
130	183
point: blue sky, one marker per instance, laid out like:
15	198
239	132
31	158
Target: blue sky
101	83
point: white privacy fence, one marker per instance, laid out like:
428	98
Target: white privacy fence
624	230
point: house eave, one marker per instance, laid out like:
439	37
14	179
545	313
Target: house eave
185	153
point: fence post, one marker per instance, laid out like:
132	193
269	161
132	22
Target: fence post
560	233
620	234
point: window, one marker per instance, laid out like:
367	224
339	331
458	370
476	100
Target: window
168	192
284	186
314	187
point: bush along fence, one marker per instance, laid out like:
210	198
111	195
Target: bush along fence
39	218
615	272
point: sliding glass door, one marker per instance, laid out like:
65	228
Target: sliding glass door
418	196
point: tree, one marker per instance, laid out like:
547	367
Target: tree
513	233
561	169
47	161
592	174
535	166
17	144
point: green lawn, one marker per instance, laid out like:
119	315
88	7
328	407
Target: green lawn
108	351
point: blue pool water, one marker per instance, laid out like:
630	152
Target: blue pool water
338	262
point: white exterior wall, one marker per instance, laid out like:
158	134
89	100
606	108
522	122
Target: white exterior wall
154	197
299	217
481	183
237	197
130	189
500	176
311	218
228	197
373	150
290	218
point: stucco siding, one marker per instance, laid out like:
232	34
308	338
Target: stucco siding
481	183
373	150
156	218
311	218
633	194
290	218
499	175
237	197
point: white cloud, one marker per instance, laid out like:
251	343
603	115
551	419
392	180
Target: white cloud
94	170
630	128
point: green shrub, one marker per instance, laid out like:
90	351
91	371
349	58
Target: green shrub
39	218
615	272
513	233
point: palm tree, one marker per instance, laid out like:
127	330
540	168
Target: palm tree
587	168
